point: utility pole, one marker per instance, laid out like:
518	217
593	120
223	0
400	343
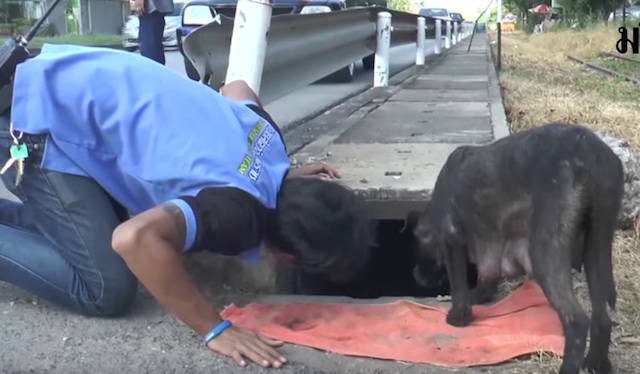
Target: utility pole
499	33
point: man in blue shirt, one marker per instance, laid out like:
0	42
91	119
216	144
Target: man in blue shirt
110	133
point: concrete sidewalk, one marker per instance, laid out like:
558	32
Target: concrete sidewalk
389	144
393	144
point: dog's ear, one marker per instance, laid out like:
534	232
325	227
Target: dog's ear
411	221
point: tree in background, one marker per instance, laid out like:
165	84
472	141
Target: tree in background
599	8
401	5
4	12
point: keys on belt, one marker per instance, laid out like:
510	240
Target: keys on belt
18	152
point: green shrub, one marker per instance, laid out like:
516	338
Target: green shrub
96	40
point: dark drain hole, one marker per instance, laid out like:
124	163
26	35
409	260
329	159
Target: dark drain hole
388	273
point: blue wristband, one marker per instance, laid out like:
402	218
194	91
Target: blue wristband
216	331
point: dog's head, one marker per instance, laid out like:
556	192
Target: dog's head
428	250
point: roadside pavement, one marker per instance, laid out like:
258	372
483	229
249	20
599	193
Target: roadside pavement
390	143
408	128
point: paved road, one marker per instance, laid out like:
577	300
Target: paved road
317	97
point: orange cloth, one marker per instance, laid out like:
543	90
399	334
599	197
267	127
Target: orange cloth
520	324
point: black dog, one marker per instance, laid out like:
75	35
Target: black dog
539	202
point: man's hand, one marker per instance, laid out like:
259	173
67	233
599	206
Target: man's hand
239	343
319	170
140	7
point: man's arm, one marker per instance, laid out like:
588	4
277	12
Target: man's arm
150	244
239	90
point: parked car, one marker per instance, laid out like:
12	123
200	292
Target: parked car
632	11
457	17
197	13
369	61
437	13
169	39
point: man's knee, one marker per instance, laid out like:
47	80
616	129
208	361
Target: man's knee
115	297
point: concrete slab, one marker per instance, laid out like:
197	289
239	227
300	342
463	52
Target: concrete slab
425	84
402	122
441	95
392	172
461	70
392	148
392	109
445	78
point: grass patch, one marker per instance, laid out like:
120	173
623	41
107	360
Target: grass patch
96	40
629	68
541	85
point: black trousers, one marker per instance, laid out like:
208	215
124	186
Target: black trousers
150	35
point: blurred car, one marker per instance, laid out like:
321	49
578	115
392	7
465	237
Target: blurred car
369	61
437	13
197	13
631	12
169	38
457	17
441	14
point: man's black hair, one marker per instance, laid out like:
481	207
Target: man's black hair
325	226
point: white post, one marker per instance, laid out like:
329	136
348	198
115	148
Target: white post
455	34
381	70
437	46
447	40
460	32
420	51
249	42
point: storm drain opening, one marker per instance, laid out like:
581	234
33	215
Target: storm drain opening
389	272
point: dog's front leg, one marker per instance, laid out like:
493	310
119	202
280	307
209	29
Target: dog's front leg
456	262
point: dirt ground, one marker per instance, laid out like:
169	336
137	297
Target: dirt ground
540	85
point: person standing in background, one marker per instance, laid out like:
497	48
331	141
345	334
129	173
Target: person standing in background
151	14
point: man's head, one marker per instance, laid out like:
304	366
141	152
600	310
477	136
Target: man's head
323	227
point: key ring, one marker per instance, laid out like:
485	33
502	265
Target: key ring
16	141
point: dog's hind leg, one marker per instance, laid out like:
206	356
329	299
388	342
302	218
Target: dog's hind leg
600	228
556	207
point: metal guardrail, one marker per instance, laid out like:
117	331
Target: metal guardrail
304	48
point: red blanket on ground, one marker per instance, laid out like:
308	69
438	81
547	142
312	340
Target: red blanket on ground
520	324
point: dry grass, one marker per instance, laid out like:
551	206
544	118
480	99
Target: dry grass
541	85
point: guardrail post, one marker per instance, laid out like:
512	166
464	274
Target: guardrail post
454	40
249	42
437	46
447	40
420	51
381	70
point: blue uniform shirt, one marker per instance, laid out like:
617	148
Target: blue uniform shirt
145	133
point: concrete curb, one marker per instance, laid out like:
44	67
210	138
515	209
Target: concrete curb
393	80
499	121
